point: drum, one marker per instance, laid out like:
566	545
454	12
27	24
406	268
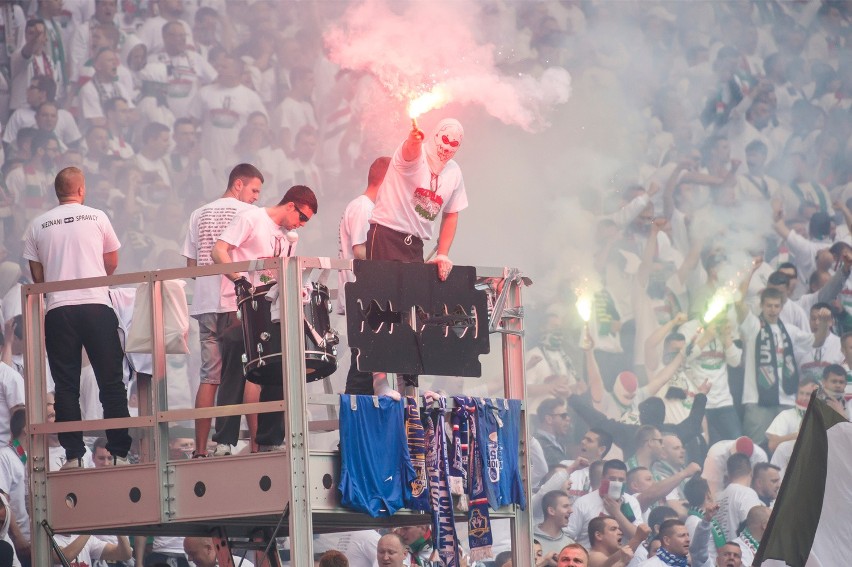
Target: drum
262	337
320	339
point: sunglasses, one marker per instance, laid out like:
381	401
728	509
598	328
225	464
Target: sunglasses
302	216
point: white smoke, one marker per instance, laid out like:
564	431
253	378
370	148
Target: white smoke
432	43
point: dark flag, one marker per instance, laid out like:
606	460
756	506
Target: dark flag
817	481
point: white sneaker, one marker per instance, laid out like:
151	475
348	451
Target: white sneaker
120	461
271	448
222	450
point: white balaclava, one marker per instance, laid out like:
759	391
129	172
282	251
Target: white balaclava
443	144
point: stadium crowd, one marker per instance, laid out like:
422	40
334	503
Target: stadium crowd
720	298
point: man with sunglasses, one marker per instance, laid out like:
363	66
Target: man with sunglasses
554	425
262	233
422	182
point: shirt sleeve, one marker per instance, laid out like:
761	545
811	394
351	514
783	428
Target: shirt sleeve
458	200
89	102
236	232
111	242
13	386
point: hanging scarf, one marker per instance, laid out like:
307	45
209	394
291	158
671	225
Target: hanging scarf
671	559
19	450
478	516
419	548
57	48
766	360
498	441
416	439
719	538
749	540
461	455
443	527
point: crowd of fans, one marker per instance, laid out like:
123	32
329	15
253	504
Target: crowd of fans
721	299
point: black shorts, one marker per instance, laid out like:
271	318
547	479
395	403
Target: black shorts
384	243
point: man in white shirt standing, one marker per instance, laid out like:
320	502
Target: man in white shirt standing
422	182
214	306
261	233
738	497
70	242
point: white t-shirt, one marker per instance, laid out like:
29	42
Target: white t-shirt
711	364
410	200
213	294
814	360
66	128
787	422
185	72
151	33
222	112
91	102
70	241
782	454
359	547
734	504
353	230
255	236
591	506
13	482
11	395
91	551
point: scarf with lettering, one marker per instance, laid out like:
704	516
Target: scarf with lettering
767	365
498	429
460	419
749	540
671	559
478	516
437	466
416	437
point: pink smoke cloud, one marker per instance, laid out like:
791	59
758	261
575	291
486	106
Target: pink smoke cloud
424	44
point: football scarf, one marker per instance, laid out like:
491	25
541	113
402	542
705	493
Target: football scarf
718	536
768	365
671	559
437	467
416	438
478	517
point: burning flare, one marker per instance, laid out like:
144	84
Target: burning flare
436	98
584	307
718	303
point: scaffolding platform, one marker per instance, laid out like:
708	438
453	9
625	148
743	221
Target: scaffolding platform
293	489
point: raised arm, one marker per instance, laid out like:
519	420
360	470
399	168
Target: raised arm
657	337
740	306
660	489
412	145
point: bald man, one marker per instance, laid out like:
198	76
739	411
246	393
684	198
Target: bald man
390	551
202	552
71	242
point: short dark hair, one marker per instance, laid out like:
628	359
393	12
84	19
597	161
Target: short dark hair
771	293
657	516
100	443
596	525
301	195
298	73
644	434
668	526
778	278
547	406
333	558
17	422
576	546
695	491
244	172
183	121
756	146
632	472
46	84
759	468
788	266
377	171
613	464
33	22
550	498
738	465
835	369
40	140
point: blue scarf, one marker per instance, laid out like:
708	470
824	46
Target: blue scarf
479	537
437	466
671	559
416	437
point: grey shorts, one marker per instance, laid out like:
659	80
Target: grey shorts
218	332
